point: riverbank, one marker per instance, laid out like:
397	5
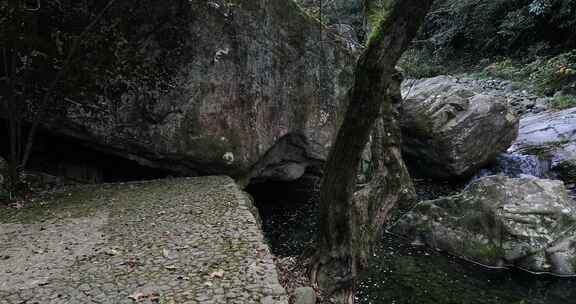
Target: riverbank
400	272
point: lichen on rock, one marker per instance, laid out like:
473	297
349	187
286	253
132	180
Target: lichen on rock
501	222
450	130
228	78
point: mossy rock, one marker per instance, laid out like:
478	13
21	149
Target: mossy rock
219	84
499	222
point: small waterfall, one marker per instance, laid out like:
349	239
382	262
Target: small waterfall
516	165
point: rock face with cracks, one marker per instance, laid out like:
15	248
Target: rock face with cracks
250	94
449	130
552	137
499	221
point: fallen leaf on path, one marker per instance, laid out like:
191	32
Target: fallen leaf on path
166	253
111	252
154	297
217	274
137	296
131	263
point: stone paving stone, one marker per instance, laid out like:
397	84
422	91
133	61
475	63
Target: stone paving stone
190	240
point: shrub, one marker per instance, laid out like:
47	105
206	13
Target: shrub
500	27
547	74
421	63
505	69
553	74
561	102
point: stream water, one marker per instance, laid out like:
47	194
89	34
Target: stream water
400	273
514	165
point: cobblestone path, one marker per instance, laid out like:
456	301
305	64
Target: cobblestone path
191	240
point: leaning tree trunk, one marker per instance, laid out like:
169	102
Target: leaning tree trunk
348	222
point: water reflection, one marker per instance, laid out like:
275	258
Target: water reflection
399	272
404	274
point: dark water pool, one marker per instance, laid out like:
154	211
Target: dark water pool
404	274
400	273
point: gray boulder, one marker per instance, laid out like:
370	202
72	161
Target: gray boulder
552	137
449	130
245	96
500	222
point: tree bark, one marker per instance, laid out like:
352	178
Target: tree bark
349	223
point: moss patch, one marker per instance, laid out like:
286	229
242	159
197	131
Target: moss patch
544	149
84	201
489	253
562	102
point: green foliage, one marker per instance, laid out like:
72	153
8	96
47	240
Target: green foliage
376	13
375	31
506	68
536	17
561	102
554	73
547	74
456	25
421	63
500	27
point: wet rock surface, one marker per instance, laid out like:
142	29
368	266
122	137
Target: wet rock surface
450	130
550	136
169	241
500	222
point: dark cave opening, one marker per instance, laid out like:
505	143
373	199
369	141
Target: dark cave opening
288	211
78	161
